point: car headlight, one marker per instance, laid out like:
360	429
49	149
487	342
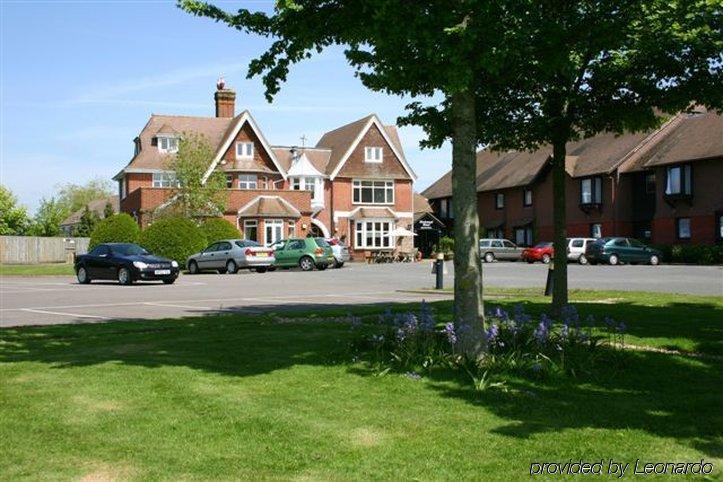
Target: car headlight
140	264
174	264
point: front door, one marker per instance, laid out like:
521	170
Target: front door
273	230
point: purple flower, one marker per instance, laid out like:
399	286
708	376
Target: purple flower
450	333
426	317
501	314
609	322
492	333
622	327
545	320
536	367
401	335
565	331
540	333
570	314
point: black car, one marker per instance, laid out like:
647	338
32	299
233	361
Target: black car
124	262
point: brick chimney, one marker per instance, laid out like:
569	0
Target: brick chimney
225	100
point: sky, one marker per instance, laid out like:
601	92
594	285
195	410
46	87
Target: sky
79	80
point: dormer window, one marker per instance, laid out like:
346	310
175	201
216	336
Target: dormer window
167	144
373	154
244	150
591	191
679	181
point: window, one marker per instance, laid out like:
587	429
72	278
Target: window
229	181
168	144
101	250
591	190
247	181
251	230
650	183
499	200
373	234
496	233
292	229
527	197
274	230
596	230
683	228
372	154
635	243
122	188
622	242
679	181
164	179
450	210
244	150
296	244
373	192
577	243
443	208
523	236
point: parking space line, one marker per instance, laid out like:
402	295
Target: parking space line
169	305
76	315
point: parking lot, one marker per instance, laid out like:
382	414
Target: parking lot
55	300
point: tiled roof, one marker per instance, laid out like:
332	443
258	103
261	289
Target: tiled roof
371	213
264	206
319	158
685	137
421	204
340	140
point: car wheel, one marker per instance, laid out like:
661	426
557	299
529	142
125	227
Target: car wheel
338	264
306	263
193	267
489	257
82	276
546	258
592	263
321	267
582	259
124	276
231	267
529	261
169	281
272	268
613	259
261	270
654	260
221	271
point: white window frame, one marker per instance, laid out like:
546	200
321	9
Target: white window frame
596	230
165	180
251	223
381	239
291	229
591	190
248	181
244	150
167	144
373	154
525	194
359	185
683	176
122	187
277	225
679	233
499	200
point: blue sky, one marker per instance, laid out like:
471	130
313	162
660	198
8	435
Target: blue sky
79	80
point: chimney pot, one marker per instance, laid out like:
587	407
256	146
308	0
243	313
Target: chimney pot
225	100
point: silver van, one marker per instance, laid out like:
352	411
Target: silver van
502	249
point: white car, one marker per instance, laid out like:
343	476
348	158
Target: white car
576	249
340	250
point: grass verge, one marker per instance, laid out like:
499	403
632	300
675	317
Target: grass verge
48	269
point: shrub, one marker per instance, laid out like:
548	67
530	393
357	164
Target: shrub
174	238
691	254
119	228
218	228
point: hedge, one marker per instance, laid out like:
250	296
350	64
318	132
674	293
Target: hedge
218	228
174	238
119	228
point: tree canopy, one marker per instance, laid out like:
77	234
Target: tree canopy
14	218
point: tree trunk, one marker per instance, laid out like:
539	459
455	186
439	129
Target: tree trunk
559	275
468	308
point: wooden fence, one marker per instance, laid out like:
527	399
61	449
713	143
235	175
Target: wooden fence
36	249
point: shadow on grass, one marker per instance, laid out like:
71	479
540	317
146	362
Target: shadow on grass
663	395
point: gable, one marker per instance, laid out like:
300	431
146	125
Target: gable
261	161
391	167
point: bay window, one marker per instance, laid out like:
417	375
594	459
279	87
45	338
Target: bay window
591	190
374	234
164	179
679	181
372	192
248	181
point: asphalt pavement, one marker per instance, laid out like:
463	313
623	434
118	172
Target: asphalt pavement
59	299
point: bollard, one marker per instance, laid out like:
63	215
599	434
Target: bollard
549	284
439	270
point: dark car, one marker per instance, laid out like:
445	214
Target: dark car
621	250
124	262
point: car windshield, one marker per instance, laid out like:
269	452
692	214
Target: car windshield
543	245
128	250
322	242
247	244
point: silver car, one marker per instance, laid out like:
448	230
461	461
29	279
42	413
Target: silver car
230	255
340	250
502	249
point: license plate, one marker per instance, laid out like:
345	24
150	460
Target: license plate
162	271
262	255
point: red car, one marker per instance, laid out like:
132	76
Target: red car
539	252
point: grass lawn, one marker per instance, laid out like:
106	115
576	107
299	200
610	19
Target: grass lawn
232	397
36	269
